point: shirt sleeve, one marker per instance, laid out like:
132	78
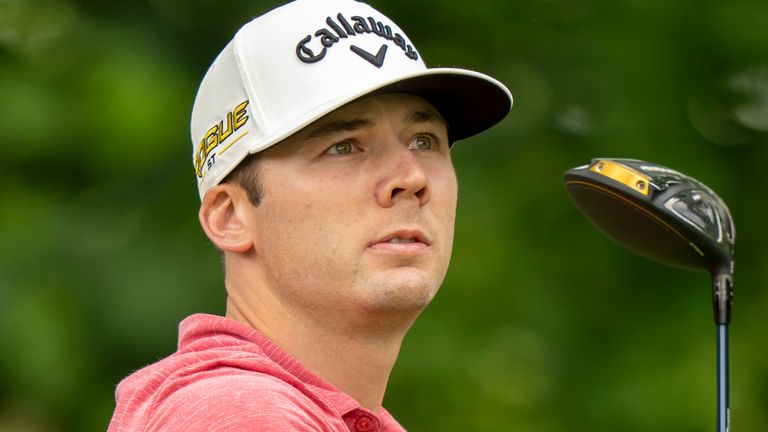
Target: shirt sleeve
250	403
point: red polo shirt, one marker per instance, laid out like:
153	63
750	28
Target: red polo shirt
228	377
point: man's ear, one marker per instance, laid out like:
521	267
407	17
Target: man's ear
223	218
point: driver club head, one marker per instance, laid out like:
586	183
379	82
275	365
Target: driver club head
661	214
656	212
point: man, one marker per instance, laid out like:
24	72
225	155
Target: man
321	148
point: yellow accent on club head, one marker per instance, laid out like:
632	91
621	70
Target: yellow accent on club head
631	178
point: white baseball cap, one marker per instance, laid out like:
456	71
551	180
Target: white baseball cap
297	63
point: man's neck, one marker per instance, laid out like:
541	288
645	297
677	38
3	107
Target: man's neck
355	359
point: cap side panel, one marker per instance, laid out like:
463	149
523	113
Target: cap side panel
220	117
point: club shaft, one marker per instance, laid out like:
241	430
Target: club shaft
723	407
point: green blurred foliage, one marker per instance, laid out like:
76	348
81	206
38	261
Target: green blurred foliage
542	324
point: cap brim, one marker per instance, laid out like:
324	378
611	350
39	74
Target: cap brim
469	101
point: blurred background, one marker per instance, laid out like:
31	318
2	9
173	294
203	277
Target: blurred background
542	324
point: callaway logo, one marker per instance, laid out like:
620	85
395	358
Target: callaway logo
344	28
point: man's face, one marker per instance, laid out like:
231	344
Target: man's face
358	209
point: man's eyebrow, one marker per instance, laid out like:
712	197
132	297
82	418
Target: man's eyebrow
333	127
425	116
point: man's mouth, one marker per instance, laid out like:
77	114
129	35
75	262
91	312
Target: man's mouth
403	241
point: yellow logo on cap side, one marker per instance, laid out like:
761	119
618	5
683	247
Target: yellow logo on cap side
216	135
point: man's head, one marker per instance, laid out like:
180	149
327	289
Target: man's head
348	205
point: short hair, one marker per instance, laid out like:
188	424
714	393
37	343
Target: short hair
246	175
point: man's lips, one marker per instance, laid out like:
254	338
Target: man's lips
402	241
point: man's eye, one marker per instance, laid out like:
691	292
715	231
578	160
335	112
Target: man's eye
341	148
422	142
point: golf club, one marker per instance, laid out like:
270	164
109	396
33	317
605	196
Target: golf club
668	217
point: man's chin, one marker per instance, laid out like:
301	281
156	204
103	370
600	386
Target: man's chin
401	290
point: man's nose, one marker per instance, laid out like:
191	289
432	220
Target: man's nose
403	177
